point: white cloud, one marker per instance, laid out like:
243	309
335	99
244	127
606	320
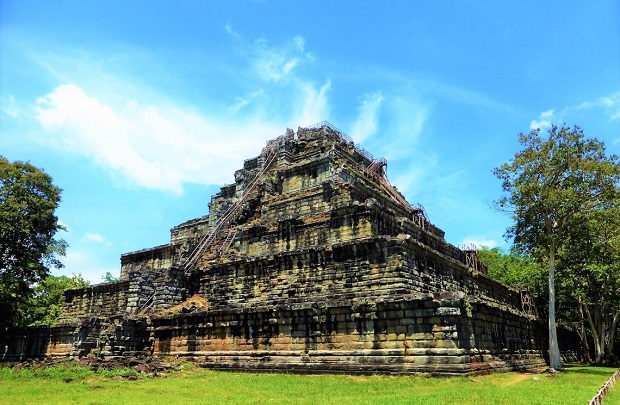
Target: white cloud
155	146
464	96
395	134
366	124
277	63
83	124
411	117
422	167
479	242
545	119
546	114
609	105
405	121
10	107
95	237
87	265
229	29
242	102
155	142
315	105
299	43
161	145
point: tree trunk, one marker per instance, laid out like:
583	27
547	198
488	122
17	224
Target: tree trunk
585	347
601	318
612	333
554	350
596	336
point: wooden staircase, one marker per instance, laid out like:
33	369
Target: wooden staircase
226	220
375	171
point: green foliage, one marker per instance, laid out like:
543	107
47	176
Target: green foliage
518	271
549	183
28	200
63	371
109	278
28	249
45	306
513	269
576	385
551	180
589	272
590	256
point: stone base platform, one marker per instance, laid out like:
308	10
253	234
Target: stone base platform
442	334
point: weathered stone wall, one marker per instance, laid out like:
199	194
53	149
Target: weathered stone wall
448	334
354	270
159	288
97	300
102	336
430	271
112	336
36	342
159	257
365	269
189	230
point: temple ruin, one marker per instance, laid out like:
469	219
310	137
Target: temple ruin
311	261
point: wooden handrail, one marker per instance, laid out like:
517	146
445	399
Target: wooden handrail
224	221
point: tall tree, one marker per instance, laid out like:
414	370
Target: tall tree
517	271
45	307
109	278
549	181
28	200
511	268
590	269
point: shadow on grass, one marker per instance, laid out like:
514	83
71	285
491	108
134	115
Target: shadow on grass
587	369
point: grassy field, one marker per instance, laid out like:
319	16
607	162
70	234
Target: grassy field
613	398
76	385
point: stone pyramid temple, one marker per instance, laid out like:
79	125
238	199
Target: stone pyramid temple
311	261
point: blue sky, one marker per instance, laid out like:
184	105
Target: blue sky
141	110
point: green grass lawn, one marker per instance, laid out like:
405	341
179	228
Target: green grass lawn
76	385
613	398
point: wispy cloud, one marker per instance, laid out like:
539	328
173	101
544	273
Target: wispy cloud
404	123
366	124
468	97
94	237
608	106
390	123
277	63
86	265
411	178
157	142
9	106
229	29
611	104
242	102
99	108
479	242
158	146
448	193
441	90
545	119
315	105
